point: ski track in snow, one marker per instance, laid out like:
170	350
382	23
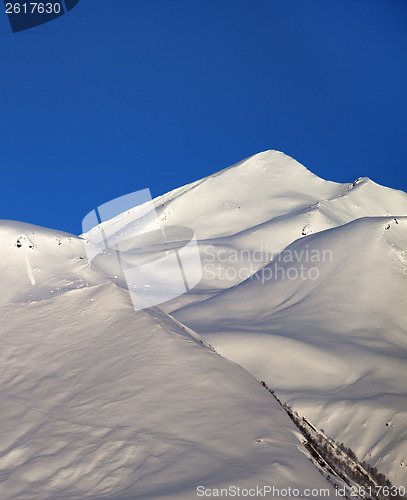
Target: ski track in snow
29	270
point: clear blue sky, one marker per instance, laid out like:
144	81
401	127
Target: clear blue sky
116	96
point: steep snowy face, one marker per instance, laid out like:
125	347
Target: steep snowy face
251	192
263	188
362	263
304	285
246	214
98	401
325	324
332	342
313	299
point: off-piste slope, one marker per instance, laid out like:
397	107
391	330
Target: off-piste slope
103	402
100	401
330	338
246	214
252	192
325	325
304	284
259	190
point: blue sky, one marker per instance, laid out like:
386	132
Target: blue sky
117	96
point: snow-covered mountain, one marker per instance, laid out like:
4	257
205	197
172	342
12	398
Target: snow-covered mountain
304	285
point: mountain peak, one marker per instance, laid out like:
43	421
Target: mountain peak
250	192
273	166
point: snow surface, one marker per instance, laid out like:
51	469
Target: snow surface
100	401
333	347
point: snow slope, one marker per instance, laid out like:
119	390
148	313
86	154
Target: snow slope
334	346
99	401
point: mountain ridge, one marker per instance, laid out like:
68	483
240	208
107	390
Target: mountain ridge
333	347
